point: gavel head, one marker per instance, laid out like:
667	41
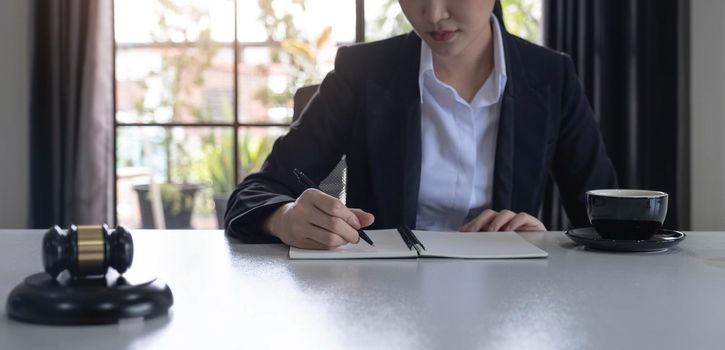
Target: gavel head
87	250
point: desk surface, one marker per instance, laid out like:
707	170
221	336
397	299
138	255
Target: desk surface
230	295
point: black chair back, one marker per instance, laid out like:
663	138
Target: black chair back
334	183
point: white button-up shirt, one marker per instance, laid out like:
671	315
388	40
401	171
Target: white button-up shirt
458	144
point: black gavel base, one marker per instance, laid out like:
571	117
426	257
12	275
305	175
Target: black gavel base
102	300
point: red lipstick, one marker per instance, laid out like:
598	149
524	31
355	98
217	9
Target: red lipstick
442	35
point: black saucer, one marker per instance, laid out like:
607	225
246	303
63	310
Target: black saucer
65	301
662	240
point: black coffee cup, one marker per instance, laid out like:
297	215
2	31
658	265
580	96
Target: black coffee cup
626	214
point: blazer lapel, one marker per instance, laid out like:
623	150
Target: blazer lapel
503	169
522	134
394	140
412	160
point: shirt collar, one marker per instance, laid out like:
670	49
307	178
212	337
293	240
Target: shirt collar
487	94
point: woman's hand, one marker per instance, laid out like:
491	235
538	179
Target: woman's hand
317	221
506	220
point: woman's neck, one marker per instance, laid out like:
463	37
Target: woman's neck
469	70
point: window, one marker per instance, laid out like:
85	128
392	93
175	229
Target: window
204	87
523	18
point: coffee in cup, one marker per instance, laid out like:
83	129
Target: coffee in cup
626	214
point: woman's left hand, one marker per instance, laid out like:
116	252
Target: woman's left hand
506	220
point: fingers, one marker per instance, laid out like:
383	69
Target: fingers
501	219
307	243
520	220
480	221
524	222
313	237
325	238
506	220
301	231
366	219
333	225
332	206
324	216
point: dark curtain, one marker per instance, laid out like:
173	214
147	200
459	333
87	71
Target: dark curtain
72	113
632	59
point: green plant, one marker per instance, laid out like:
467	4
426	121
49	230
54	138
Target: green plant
303	56
181	74
173	199
181	78
216	168
390	22
523	18
253	151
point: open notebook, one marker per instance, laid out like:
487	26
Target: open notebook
403	243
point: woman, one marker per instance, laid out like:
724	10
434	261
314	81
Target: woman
457	131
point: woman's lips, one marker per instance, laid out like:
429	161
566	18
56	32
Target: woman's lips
442	35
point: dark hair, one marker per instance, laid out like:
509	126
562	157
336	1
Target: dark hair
498	11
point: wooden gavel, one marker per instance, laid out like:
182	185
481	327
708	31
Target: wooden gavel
87	250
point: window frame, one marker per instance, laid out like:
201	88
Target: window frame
235	125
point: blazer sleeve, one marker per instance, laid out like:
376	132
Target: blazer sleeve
314	144
580	162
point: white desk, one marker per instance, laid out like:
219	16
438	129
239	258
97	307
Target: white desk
229	295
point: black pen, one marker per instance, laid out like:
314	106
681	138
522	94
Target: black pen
305	181
411	239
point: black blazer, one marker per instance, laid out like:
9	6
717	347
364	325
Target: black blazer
368	109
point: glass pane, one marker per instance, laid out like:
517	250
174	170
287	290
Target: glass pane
384	19
303	41
145	21
255	143
258	80
269	76
523	18
249	28
189	166
179	84
277	20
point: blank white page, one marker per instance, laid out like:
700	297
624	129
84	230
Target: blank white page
388	244
477	245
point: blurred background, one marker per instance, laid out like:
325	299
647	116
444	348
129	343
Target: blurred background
196	92
185	110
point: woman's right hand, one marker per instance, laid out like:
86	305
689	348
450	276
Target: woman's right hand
317	221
